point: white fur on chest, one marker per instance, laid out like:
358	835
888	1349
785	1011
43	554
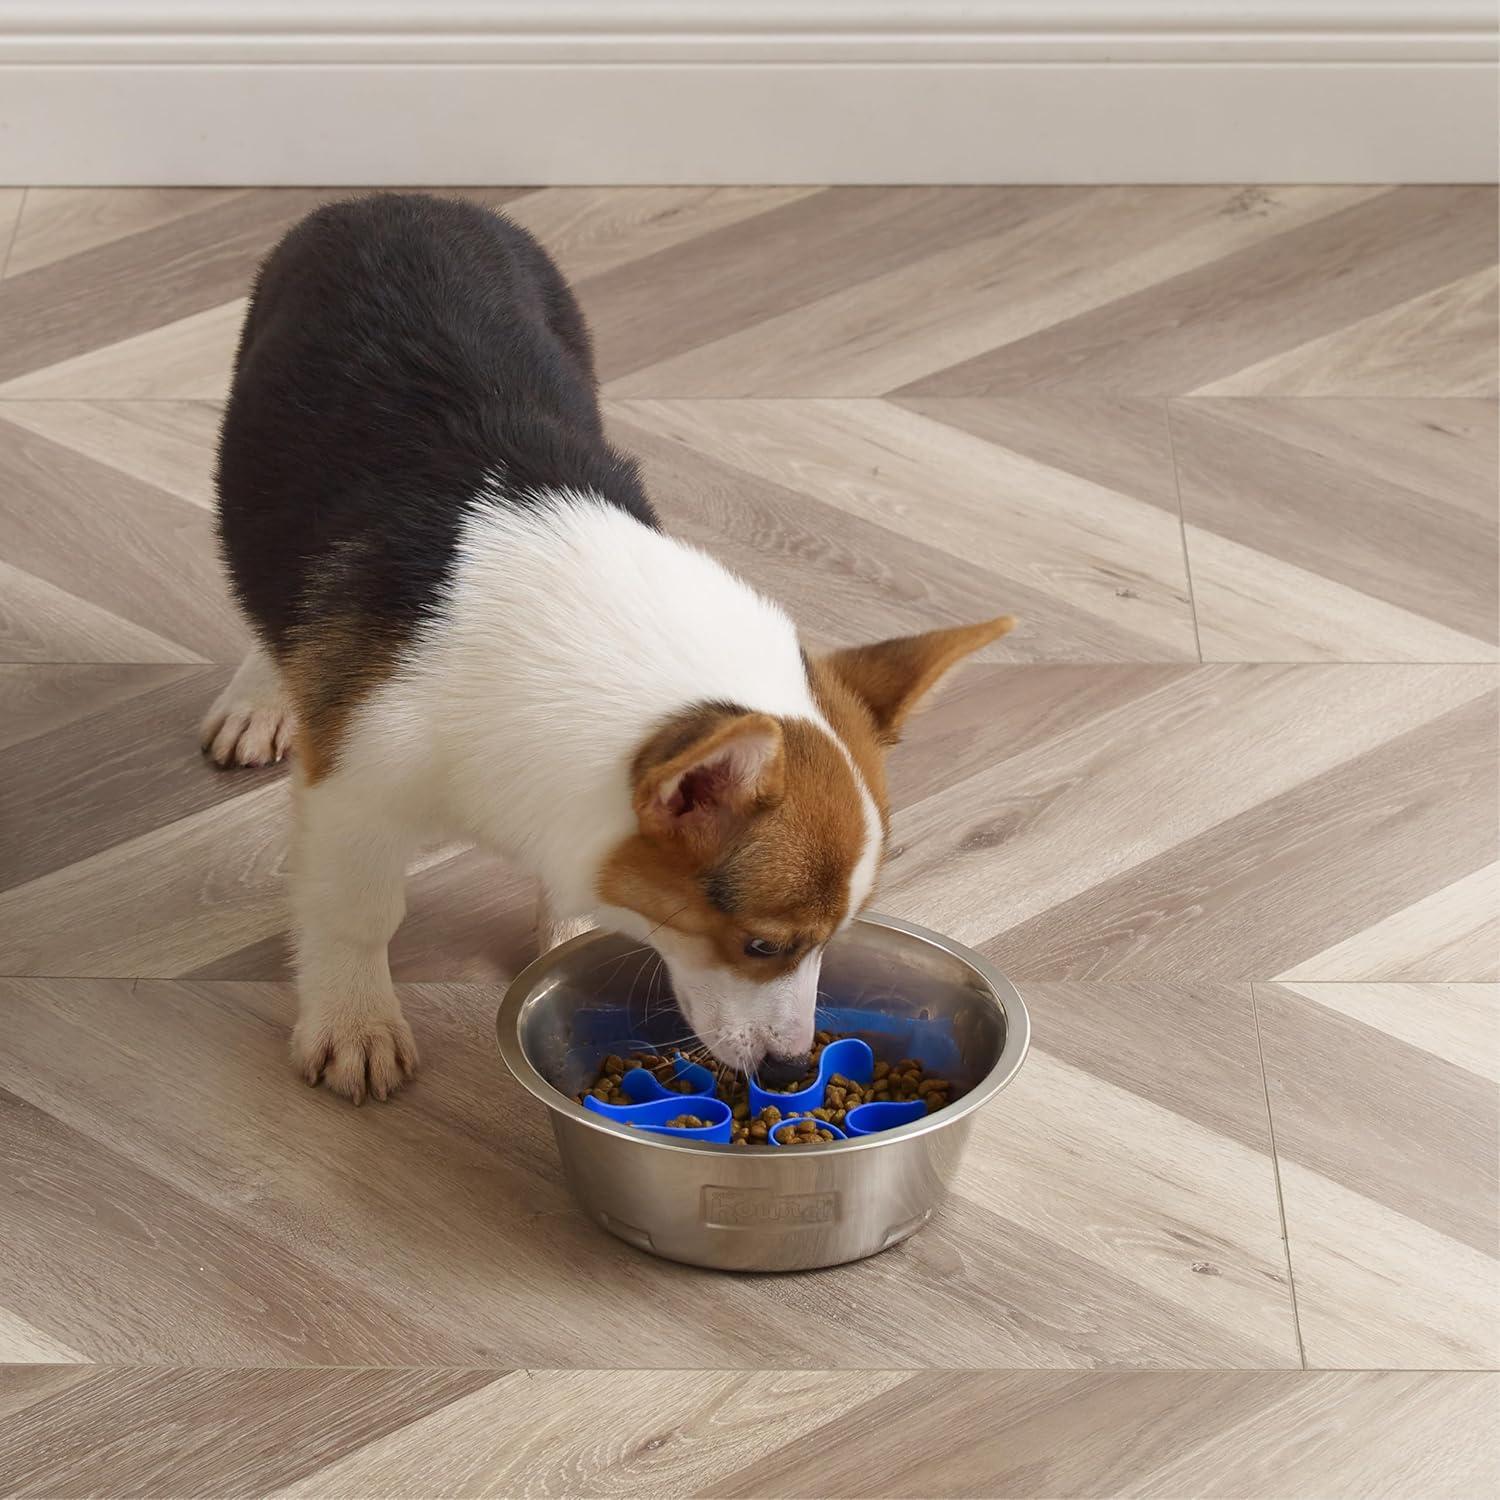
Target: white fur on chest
568	633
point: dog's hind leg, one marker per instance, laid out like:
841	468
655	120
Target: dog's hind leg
251	722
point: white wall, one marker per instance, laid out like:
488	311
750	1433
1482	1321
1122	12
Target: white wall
528	91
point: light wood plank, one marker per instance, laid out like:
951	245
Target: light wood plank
1252	607
1108	553
673	1432
1457	1022
960	301
1285	876
1184	1212
590	230
168	901
126	1266
1388	1163
1438	344
1187	330
211	1433
10	215
1043	826
122	544
186	360
1261	1436
59	222
43	624
168	444
1453	934
1307	487
22	1343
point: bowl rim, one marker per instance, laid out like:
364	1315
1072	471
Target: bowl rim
1002	991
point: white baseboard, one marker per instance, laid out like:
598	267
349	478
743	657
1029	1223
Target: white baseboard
677	91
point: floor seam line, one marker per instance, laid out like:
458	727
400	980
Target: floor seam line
1187	562
1286	1238
15	233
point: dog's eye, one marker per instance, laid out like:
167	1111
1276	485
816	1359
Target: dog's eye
762	948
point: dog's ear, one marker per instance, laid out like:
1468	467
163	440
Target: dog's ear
889	677
695	794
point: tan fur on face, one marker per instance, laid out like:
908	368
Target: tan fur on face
775	861
775	866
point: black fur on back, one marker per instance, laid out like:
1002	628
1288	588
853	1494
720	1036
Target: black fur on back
397	350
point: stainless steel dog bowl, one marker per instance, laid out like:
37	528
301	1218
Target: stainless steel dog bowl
760	1208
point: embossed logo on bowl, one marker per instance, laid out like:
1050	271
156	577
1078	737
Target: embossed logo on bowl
759	1208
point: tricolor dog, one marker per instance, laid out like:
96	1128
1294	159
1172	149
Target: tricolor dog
472	626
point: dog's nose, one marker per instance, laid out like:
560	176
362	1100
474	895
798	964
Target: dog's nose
777	1072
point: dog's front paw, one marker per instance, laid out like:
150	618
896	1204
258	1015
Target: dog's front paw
356	1054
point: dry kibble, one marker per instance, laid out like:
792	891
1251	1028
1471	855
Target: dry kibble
902	1080
804	1130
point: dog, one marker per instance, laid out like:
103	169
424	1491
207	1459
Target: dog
471	625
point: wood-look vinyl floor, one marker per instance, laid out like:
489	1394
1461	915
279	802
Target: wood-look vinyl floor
1224	807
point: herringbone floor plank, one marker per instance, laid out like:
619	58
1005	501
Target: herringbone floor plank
1224	806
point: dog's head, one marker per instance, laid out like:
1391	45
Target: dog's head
759	837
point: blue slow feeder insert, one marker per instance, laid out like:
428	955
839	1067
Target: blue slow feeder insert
930	1041
780	1125
883	1114
851	1057
654	1114
653	1103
